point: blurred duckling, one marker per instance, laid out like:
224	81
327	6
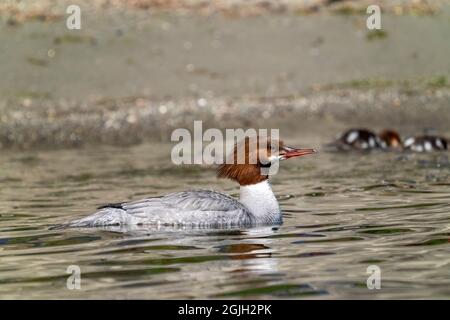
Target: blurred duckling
364	140
426	143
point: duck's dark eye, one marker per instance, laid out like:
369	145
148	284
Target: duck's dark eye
265	165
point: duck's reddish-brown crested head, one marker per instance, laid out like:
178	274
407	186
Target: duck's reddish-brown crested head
391	137
244	165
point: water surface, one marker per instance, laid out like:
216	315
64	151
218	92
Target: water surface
342	213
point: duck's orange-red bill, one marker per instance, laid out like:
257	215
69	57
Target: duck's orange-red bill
292	152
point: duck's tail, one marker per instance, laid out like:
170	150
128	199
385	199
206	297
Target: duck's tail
106	216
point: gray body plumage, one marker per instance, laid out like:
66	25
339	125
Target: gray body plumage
191	208
200	208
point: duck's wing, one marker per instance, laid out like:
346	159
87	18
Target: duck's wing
202	200
200	208
198	200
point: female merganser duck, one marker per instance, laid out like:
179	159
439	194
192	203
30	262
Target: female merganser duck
425	144
363	139
257	204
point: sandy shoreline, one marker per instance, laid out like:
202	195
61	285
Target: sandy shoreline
139	119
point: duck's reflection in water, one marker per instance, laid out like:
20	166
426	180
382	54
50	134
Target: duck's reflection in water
254	250
250	250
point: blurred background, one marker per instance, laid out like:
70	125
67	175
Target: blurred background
86	117
137	69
